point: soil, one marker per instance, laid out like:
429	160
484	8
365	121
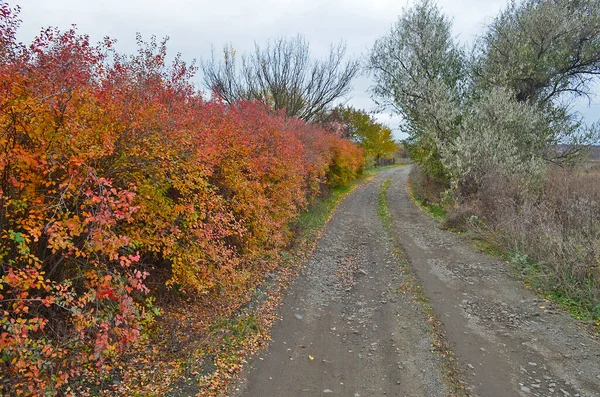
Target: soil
351	327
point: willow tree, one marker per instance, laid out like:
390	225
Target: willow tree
542	49
533	60
418	71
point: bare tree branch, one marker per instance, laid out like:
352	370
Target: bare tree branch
283	76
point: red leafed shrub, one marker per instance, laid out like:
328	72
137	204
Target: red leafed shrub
328	157
113	168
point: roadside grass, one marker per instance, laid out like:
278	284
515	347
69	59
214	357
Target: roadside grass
373	171
437	211
383	210
312	221
410	284
574	296
578	301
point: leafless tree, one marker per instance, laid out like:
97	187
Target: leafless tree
282	75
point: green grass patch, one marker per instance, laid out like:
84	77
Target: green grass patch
487	246
575	297
375	170
311	221
316	216
583	310
232	331
437	211
382	209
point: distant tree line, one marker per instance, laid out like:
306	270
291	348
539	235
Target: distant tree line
376	139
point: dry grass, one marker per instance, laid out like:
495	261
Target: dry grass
424	188
552	232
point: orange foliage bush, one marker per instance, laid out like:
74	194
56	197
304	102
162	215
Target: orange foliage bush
346	164
113	166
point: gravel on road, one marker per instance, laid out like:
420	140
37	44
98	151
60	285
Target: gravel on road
350	327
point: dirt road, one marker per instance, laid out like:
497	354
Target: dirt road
351	327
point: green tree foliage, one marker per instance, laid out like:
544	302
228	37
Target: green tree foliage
419	71
498	133
545	53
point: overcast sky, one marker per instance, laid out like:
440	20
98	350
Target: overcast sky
193	25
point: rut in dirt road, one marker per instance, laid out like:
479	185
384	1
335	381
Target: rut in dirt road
349	329
508	342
